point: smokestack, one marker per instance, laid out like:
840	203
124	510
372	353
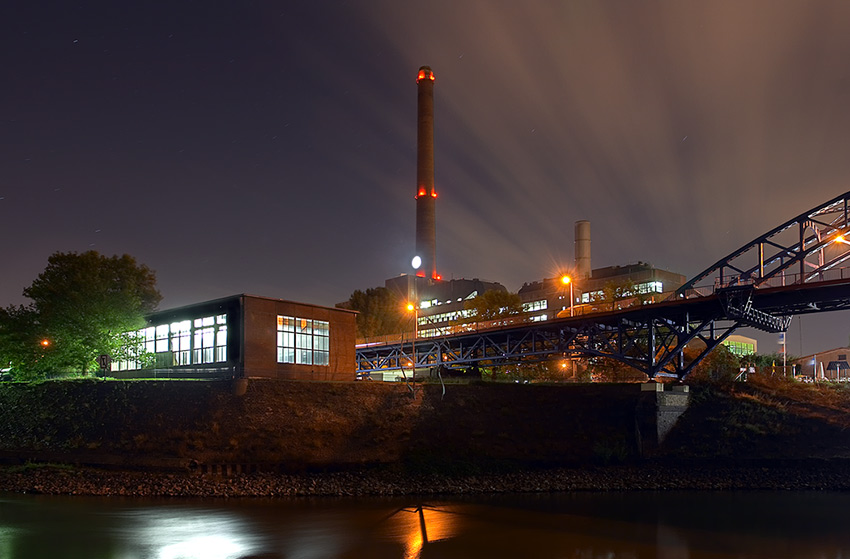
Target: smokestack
582	249
426	196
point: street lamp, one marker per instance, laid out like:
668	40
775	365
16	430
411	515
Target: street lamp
412	307
568	280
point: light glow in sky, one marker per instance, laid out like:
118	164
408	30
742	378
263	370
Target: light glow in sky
269	147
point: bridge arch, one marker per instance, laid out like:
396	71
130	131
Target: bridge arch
798	267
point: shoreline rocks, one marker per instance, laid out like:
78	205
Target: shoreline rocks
656	476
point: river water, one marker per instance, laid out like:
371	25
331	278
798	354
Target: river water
667	525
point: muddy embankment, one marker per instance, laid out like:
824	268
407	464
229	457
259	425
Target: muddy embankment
305	427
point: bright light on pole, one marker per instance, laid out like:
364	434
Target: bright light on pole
568	280
412	307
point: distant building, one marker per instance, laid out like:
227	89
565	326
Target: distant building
244	336
609	288
741	345
441	303
826	365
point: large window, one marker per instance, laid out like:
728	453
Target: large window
533	306
303	341
188	342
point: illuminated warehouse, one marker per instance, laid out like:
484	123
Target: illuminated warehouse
244	336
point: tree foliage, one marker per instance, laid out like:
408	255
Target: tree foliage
83	305
380	312
494	304
719	366
622	294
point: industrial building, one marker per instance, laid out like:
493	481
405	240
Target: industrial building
609	288
244	336
440	303
826	365
585	290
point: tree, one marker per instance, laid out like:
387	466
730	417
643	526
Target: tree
380	312
719	366
494	304
615	292
83	305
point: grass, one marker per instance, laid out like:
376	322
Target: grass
39	466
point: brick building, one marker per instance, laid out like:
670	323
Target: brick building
244	336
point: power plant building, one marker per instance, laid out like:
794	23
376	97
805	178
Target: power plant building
440	303
606	289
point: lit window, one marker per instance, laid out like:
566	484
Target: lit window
221	338
181	342
204	343
303	341
533	306
188	342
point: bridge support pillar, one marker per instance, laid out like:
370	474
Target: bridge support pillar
658	410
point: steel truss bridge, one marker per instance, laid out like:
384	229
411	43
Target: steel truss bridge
796	268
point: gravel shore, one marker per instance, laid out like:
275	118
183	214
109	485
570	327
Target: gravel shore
805	475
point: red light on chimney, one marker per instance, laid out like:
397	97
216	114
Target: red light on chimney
423	75
433	195
422	192
437	276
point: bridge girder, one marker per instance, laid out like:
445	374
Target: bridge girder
756	286
650	341
801	250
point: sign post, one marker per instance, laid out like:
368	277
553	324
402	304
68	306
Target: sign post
105	362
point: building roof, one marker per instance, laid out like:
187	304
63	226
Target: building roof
231	298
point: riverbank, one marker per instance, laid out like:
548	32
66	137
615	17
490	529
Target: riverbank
817	475
198	439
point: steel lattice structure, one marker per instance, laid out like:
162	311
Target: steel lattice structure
794	269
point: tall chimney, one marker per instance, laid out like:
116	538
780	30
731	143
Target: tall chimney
426	196
582	249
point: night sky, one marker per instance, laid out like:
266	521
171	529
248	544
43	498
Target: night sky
269	147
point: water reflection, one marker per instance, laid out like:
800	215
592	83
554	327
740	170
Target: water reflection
422	525
617	525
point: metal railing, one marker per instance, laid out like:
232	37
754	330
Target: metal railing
782	280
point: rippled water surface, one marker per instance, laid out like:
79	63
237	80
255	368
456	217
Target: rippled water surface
575	526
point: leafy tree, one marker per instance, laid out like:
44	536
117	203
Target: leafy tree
767	360
494	304
625	291
607	369
83	305
719	366
381	312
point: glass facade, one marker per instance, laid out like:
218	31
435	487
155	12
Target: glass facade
177	344
740	348
303	341
540	305
640	289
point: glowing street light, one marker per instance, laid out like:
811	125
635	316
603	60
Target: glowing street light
412	307
568	280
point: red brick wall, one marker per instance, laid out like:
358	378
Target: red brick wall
260	346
